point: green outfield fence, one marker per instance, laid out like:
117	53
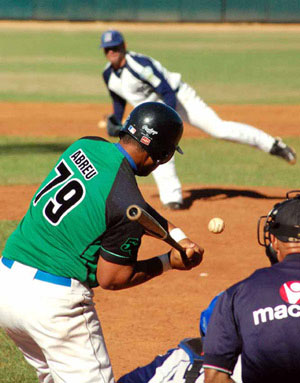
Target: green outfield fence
153	10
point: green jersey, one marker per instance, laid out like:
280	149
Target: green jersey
79	213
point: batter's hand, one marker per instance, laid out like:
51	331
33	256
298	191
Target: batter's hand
193	252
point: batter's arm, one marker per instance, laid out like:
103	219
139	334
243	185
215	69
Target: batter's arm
112	276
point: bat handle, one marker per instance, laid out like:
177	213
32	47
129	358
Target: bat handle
178	247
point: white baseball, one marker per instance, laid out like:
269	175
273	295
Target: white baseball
102	124
216	225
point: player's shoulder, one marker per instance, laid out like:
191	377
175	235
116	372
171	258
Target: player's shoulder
93	138
90	143
87	140
139	58
249	283
107	66
137	55
259	274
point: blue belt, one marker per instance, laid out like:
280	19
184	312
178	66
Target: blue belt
42	275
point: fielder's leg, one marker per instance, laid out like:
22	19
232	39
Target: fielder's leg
168	184
195	111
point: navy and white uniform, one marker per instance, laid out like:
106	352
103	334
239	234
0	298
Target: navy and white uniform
259	318
144	79
182	364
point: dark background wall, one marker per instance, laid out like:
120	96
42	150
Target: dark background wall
153	10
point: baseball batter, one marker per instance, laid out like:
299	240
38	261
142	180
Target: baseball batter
135	78
259	316
75	236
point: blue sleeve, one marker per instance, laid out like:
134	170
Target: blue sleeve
163	89
119	103
222	344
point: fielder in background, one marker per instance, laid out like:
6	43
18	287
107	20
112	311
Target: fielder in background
75	236
259	316
183	364
135	78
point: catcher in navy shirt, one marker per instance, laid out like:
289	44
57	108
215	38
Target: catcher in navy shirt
259	316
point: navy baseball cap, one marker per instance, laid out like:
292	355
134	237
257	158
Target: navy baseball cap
111	38
286	222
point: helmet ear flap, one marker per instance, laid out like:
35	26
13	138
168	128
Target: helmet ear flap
270	251
271	254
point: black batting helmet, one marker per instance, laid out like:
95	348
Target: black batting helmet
283	221
157	128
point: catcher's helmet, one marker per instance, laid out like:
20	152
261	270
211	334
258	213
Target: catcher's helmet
283	221
157	128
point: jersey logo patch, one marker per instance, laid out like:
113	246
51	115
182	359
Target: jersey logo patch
149	131
131	129
290	292
145	140
129	245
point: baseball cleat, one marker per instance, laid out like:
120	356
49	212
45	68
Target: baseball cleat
173	206
280	149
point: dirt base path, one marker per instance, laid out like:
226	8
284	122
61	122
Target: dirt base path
141	322
76	120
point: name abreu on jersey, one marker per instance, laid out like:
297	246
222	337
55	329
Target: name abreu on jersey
83	164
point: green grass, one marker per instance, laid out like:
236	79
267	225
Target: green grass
13	367
28	161
206	161
212	161
223	67
6	228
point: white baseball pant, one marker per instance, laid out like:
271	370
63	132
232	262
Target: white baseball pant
55	326
196	112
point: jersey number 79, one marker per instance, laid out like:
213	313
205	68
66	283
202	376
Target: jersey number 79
70	193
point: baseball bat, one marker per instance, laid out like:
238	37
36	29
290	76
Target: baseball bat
154	228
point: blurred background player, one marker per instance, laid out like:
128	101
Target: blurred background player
135	78
259	316
75	237
182	364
